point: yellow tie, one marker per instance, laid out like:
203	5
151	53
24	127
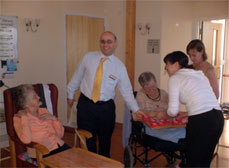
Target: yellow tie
98	81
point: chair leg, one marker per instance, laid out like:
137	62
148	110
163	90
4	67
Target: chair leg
39	159
40	151
12	153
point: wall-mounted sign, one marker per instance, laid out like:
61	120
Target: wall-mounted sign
8	37
153	46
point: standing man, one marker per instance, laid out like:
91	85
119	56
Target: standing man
97	77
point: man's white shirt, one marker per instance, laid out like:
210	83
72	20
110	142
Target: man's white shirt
114	74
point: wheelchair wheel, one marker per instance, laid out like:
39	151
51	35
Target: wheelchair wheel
171	159
128	157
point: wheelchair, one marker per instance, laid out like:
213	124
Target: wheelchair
140	144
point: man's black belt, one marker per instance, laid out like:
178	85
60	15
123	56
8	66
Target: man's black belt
98	102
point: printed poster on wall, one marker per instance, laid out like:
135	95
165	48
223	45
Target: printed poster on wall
8	38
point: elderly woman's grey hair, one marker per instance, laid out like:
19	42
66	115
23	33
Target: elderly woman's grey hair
20	95
145	78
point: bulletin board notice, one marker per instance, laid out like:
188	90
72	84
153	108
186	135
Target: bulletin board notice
8	38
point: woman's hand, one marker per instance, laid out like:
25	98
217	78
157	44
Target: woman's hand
20	113
182	114
47	116
162	116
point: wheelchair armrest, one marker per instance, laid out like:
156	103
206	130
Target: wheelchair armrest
138	129
138	126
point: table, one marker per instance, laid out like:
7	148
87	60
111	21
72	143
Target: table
77	157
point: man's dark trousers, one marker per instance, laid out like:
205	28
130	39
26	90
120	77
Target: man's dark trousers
99	119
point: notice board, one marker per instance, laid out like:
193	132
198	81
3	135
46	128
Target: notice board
8	45
8	37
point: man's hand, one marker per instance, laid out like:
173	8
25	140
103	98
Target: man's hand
70	102
137	116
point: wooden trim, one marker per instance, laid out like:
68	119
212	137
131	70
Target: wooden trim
12	153
130	38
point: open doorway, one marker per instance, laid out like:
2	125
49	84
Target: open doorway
214	34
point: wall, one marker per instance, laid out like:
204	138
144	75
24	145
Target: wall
210	8
172	22
0	7
185	14
147	12
176	32
42	54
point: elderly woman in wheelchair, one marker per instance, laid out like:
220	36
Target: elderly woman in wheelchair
154	103
35	124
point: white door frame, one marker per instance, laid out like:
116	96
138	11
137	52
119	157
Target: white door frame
196	33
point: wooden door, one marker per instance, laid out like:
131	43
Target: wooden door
82	33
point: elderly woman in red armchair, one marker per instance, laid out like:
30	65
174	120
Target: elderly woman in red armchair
35	124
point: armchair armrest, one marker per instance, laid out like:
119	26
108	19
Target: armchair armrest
80	138
18	141
31	145
84	133
40	151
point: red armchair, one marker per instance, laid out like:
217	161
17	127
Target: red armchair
16	146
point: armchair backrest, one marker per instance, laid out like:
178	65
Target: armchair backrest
10	107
